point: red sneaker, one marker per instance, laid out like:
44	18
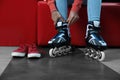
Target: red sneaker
33	51
20	52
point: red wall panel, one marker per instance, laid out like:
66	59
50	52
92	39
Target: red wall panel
18	22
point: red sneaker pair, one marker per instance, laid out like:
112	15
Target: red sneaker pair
30	50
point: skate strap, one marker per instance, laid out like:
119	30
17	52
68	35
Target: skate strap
94	29
95	25
61	25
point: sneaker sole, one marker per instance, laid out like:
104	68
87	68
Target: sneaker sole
17	54
34	55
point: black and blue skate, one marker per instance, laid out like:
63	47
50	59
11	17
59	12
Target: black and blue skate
60	43
95	43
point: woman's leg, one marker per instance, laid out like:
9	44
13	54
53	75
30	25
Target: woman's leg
62	7
92	33
93	38
94	10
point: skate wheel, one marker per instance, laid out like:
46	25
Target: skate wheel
69	50
64	53
101	56
91	55
51	53
61	51
91	50
86	54
59	54
95	57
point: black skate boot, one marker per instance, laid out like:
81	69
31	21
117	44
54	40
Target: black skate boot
95	43
60	43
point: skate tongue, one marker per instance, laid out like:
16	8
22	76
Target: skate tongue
96	24
59	24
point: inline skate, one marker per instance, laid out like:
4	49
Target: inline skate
95	43
60	43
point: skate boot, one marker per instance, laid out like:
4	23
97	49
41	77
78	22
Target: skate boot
95	43
60	43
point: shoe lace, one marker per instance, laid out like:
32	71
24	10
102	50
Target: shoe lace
33	48
21	47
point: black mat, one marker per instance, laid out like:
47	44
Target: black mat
71	67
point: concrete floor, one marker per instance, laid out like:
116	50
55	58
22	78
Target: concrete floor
112	59
5	57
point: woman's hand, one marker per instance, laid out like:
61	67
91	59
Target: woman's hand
73	17
56	16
